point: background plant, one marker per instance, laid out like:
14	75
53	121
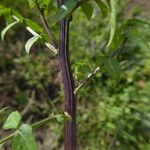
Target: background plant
132	85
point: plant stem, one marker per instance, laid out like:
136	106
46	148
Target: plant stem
48	30
90	76
42	122
5	139
68	82
34	126
95	71
47	26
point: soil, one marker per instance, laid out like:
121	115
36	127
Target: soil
144	5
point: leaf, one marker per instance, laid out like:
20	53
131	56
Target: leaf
15	13
102	7
4	10
60	118
66	8
127	136
7	28
87	9
45	37
137	22
138	40
32	25
27	22
31	3
112	67
112	21
45	4
110	125
30	42
24	140
67	116
12	121
11	12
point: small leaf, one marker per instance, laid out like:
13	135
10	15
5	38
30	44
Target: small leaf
7	28
110	125
30	42
11	12
24	140
137	22
102	7
32	31
68	117
60	118
112	67
34	26
31	3
66	8
87	9
45	5
12	121
112	21
4	10
16	14
128	136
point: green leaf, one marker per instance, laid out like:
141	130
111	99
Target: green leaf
141	42
45	37
128	136
31	3
102	7
27	22
4	10
66	8
137	22
33	25
7	28
30	42
110	125
112	67
11	12
60	118
67	116
15	13
12	121
45	4
24	140
87	9
112	21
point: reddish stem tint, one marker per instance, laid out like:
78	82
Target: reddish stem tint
68	82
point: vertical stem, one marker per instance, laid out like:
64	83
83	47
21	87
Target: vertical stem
68	82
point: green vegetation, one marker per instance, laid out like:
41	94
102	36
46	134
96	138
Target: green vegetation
113	110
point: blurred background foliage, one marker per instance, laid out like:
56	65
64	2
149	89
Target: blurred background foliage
111	115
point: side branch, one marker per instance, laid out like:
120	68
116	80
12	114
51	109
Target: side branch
48	30
47	27
36	125
90	76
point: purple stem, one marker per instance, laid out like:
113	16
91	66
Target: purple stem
68	82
